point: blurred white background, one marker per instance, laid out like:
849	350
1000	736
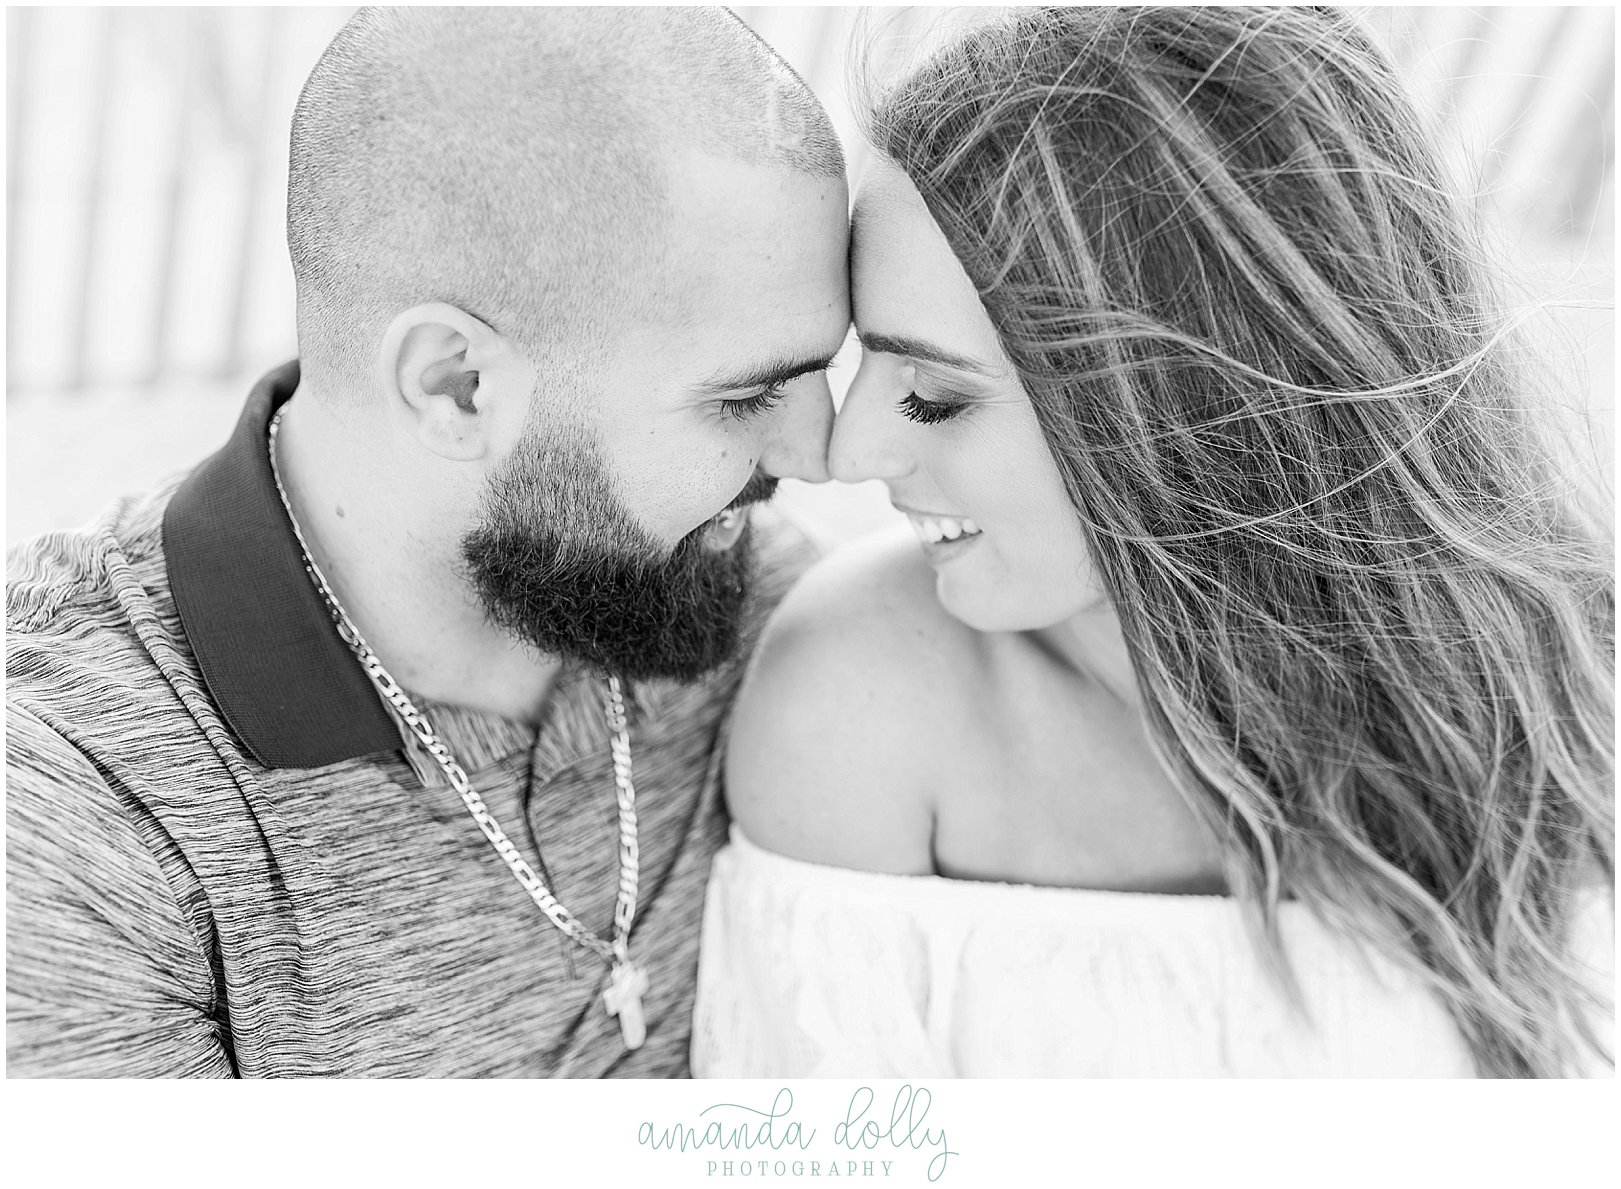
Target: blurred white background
148	285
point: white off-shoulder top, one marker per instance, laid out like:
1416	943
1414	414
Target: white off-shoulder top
808	970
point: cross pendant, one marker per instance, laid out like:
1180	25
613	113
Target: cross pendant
623	998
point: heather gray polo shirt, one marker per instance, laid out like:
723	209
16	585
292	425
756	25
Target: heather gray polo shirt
225	857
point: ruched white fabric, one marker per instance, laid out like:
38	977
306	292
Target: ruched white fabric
815	971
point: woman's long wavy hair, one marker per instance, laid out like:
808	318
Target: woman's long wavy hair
1372	628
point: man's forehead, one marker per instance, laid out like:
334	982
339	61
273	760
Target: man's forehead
733	345
752	285
768	249
705	190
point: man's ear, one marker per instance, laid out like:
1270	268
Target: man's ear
448	377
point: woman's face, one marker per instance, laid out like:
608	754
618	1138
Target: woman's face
937	412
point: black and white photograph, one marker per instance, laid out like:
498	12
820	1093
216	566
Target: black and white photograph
794	544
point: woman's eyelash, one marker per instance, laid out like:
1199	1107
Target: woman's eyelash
752	406
927	412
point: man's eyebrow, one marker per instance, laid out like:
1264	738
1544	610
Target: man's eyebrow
898	344
766	375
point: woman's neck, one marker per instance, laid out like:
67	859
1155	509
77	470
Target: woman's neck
1092	644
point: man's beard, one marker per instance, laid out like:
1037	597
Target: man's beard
558	562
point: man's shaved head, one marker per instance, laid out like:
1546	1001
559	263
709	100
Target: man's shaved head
517	163
567	281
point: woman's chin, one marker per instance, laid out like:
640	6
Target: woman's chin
996	605
980	606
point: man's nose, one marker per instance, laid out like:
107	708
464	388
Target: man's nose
797	448
866	436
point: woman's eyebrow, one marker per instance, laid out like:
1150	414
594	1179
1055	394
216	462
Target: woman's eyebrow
898	344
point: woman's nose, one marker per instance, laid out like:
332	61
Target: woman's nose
868	439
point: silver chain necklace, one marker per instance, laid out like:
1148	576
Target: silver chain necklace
629	982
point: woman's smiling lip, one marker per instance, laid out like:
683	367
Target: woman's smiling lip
937	530
918	513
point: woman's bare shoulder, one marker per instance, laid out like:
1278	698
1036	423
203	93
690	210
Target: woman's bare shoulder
859	671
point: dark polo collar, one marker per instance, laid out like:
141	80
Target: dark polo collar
273	661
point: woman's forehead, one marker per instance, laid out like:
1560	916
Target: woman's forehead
906	280
884	191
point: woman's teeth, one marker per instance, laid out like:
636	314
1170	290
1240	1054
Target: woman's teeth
934	529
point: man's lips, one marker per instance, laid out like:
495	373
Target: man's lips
723	528
758	490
